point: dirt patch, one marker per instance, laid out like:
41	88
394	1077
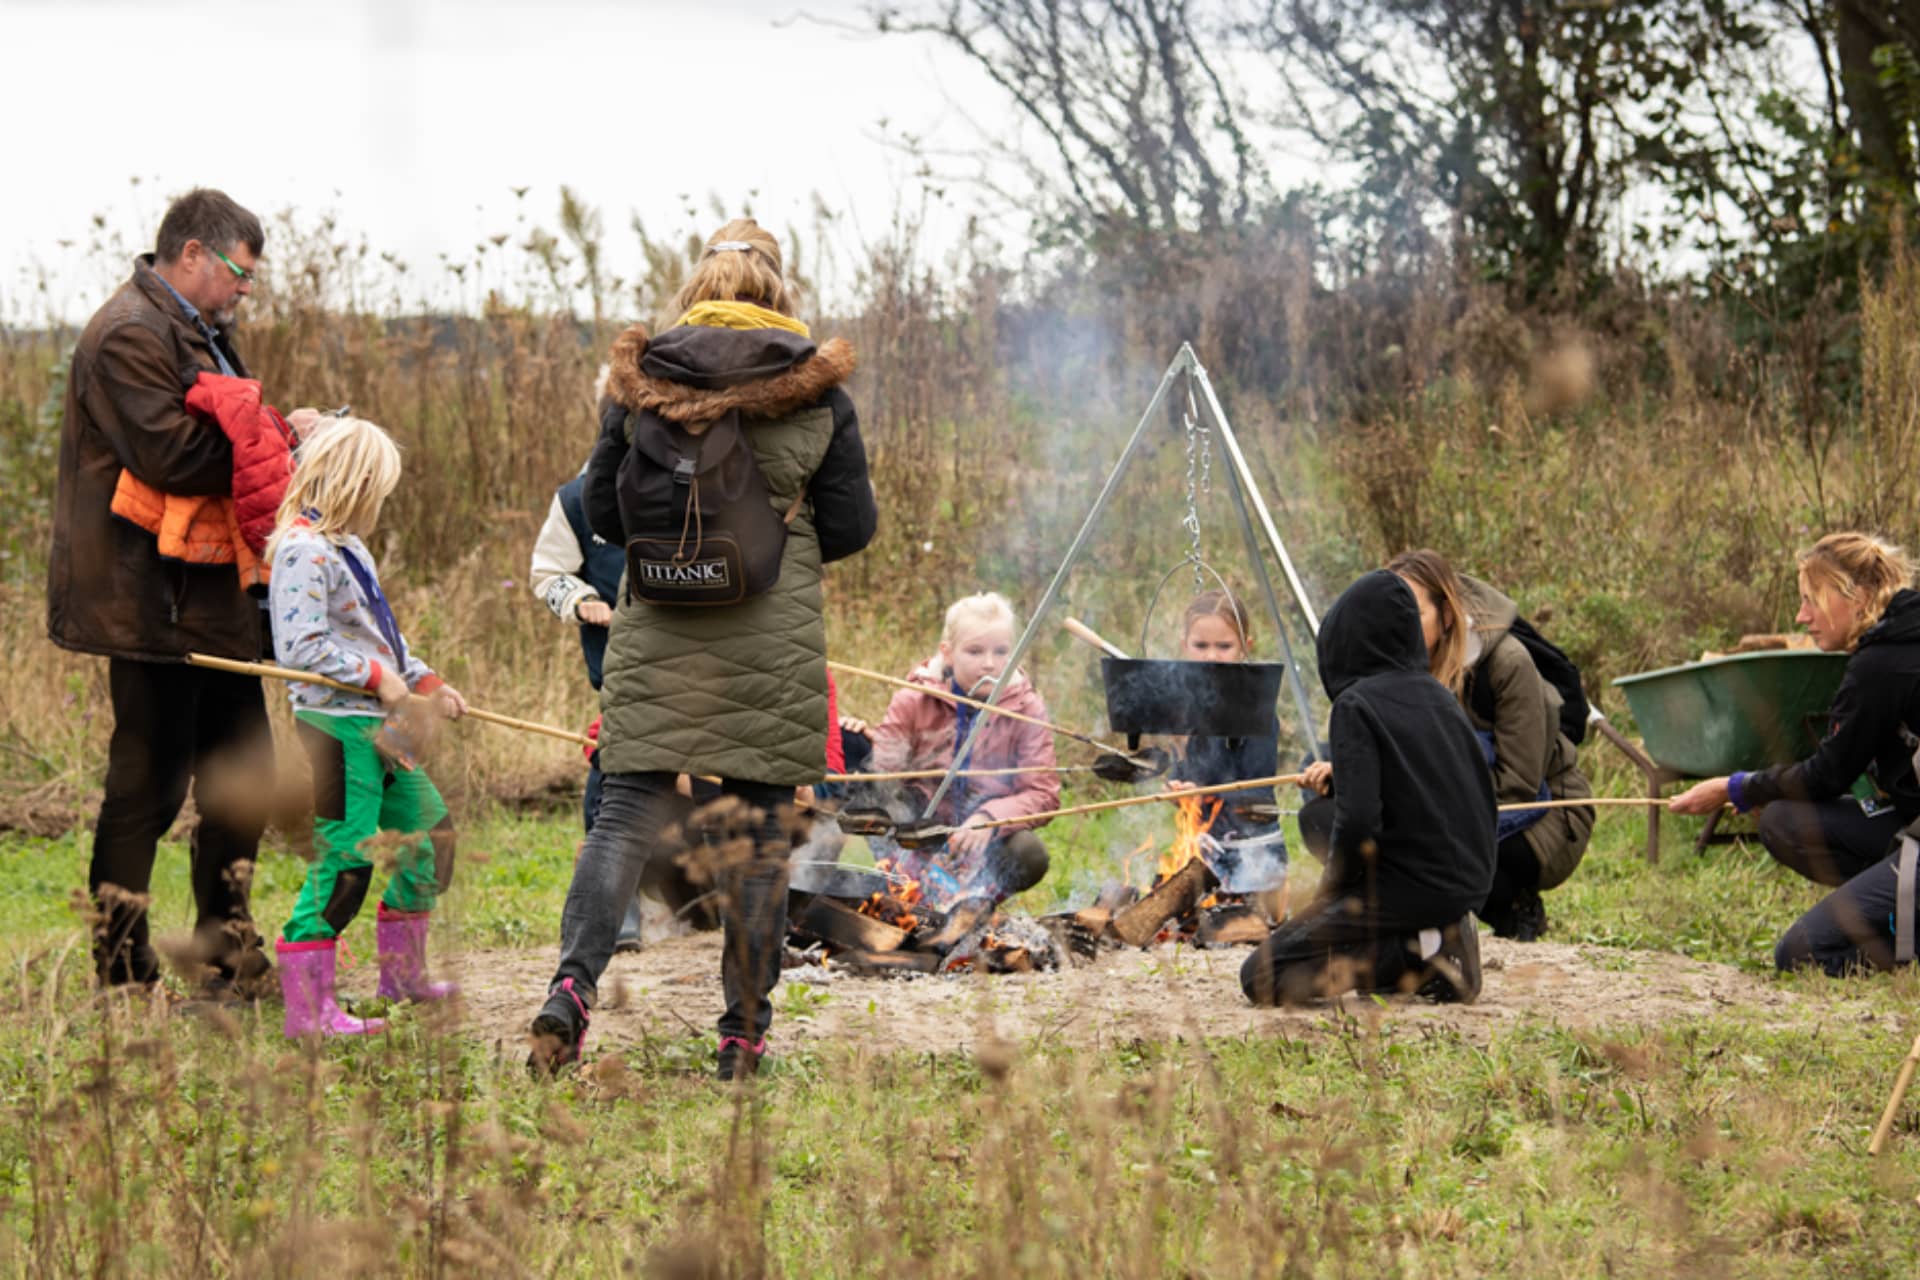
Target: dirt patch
673	988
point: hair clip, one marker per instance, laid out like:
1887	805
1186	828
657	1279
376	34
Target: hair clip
729	246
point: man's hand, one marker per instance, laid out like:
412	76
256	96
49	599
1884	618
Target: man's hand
303	420
448	702
595	613
1701	798
970	838
1318	777
853	724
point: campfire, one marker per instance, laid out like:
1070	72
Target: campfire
1185	902
899	931
1201	891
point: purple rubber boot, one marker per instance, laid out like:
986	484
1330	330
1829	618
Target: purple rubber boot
402	940
306	982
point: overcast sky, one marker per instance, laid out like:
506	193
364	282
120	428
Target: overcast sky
413	119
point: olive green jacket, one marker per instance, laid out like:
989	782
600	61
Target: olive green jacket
738	691
1528	746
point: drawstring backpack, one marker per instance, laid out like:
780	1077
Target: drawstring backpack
701	528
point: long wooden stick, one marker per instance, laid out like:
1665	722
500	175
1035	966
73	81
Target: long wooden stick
267	670
907	775
1242	785
1636	802
1900	1084
945	696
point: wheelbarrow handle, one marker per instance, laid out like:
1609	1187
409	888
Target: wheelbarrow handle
268	671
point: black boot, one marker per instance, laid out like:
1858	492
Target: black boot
1453	972
559	1032
1529	919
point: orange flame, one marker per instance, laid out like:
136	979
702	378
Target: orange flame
1195	817
898	899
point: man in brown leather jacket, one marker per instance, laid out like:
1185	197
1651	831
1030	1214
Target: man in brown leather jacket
110	592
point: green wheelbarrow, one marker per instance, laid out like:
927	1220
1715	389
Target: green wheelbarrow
1722	715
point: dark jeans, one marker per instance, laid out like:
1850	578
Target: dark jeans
1516	869
1336	944
1851	928
1827	841
627	838
174	725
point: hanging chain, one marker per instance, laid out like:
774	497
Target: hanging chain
1199	479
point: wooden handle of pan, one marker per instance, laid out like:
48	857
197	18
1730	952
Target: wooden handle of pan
1082	631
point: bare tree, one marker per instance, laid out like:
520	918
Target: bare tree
1145	128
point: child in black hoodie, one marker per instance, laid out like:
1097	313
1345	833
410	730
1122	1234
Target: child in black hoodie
1412	849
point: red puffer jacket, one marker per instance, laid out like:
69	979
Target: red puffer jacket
262	449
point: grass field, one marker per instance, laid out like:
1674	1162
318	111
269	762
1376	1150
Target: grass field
142	1142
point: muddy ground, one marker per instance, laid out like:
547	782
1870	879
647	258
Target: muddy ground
673	988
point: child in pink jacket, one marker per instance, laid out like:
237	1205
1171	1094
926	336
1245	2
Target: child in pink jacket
922	731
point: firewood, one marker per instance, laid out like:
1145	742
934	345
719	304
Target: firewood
880	964
962	920
1233	926
1094	920
1115	897
1009	960
1174	896
842	927
1079	943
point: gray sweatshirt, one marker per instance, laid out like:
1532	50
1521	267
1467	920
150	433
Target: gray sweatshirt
325	624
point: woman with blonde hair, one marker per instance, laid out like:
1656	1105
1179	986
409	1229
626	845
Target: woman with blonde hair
730	468
1812	820
1468	627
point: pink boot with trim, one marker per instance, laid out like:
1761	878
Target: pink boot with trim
402	940
306	983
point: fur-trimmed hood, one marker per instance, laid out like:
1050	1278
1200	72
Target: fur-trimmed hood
694	375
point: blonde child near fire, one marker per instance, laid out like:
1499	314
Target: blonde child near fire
921	731
1215	628
331	618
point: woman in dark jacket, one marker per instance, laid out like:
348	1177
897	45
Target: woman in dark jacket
1410	853
1515	713
1833	816
736	690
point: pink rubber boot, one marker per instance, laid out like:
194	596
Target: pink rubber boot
306	982
402	940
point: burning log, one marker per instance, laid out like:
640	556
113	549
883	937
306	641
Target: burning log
1176	895
965	917
846	929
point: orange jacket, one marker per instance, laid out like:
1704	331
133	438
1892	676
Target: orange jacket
221	529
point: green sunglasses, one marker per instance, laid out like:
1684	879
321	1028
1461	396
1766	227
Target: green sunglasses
240	273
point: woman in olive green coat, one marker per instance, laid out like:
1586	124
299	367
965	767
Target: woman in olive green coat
738	690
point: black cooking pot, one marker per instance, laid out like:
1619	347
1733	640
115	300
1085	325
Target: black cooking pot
1213	699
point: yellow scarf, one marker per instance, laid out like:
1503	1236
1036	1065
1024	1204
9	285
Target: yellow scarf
740	315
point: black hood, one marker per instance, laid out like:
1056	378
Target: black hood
1900	624
712	358
1373	628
